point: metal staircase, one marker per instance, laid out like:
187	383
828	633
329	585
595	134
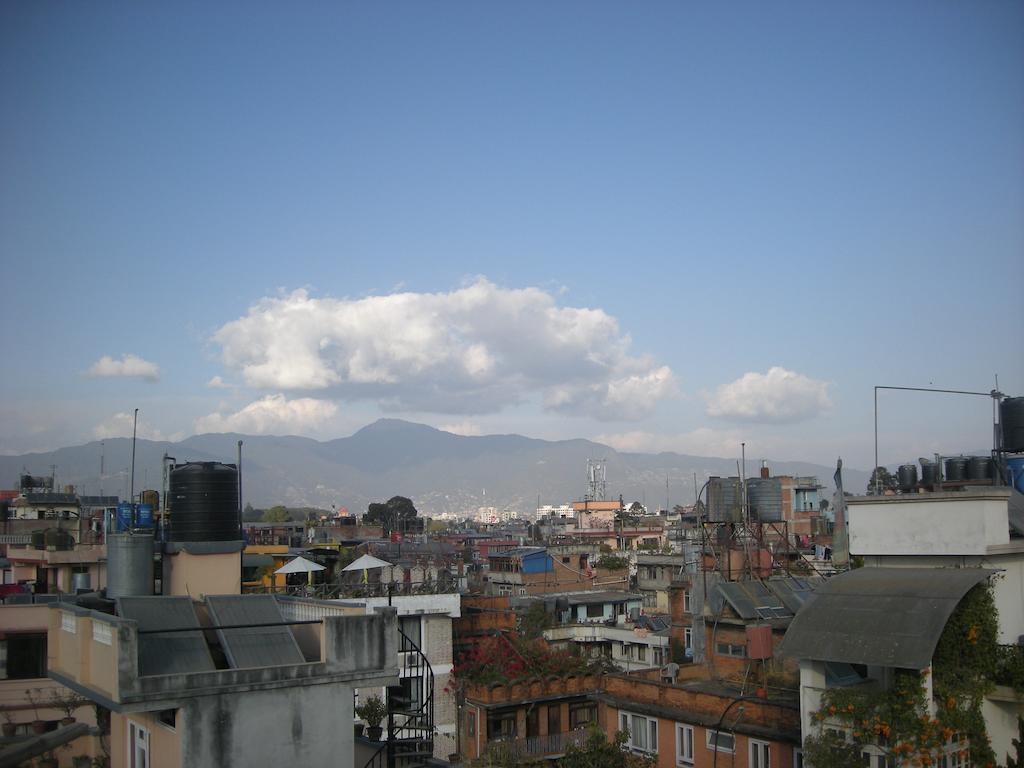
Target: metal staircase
410	733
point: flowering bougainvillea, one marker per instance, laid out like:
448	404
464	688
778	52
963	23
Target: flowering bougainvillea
506	659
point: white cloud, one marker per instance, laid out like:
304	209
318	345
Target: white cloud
120	425
128	366
776	397
218	383
476	349
464	428
698	442
273	414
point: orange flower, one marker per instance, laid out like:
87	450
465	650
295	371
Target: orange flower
972	634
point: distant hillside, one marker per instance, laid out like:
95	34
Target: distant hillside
439	471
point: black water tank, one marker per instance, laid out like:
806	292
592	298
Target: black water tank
1011	416
929	473
204	502
907	475
956	469
979	468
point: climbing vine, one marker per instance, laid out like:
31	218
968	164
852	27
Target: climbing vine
898	721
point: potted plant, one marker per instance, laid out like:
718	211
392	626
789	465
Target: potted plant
38	725
10	727
67	702
373	712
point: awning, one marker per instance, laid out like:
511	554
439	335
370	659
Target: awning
890	617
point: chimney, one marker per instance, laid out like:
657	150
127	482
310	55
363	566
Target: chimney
764	469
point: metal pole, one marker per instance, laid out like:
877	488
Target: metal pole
876	441
131	491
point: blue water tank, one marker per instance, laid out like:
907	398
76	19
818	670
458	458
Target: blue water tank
1016	466
144	518
124	516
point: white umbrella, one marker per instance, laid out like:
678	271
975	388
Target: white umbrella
365	563
301	565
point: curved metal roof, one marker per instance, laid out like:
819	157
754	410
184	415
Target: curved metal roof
891	617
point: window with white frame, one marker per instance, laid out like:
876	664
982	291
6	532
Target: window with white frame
684	745
138	746
720	741
760	755
798	758
688	637
643	732
686	601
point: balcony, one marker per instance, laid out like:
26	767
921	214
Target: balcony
552	745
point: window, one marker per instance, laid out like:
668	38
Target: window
595	611
760	754
686	600
471	723
720	741
731	649
22	656
798	758
641	652
138	746
167	717
688	638
684	744
410	628
554	718
643	732
581	714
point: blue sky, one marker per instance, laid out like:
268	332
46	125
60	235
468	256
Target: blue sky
670	226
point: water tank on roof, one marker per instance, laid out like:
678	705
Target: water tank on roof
759	641
956	469
979	468
204	502
152	498
725	499
144	516
129	564
765	498
907	477
125	516
1011	418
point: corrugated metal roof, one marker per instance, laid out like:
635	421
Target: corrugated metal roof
891	617
174	652
270	646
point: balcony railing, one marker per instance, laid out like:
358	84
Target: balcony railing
536	746
1010	666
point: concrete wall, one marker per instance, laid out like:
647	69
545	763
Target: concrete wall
303	725
200	575
928	524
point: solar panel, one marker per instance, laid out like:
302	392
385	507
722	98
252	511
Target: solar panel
172	652
258	646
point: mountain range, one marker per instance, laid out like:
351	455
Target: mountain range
439	471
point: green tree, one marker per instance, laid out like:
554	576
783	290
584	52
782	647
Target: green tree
885	478
534	621
393	515
597	751
276	514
